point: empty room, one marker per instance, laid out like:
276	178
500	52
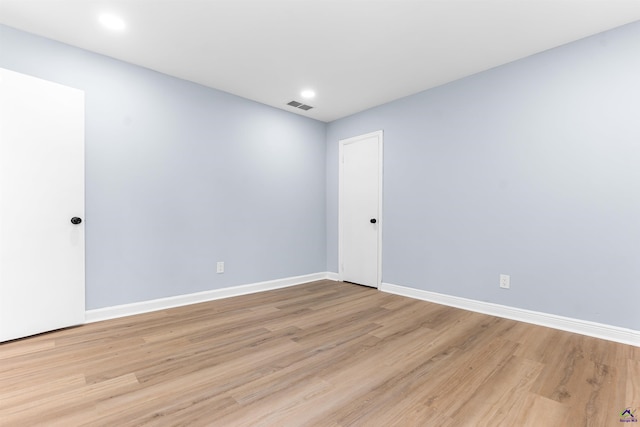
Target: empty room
319	212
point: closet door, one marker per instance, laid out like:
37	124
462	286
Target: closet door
41	206
360	209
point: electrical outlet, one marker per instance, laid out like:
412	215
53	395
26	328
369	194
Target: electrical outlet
220	267
505	281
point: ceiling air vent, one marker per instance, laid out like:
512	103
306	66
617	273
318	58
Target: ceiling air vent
300	105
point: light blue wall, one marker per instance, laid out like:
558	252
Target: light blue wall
179	176
530	169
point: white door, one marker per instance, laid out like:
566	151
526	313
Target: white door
41	190
360	209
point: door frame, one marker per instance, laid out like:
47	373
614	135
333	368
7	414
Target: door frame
379	135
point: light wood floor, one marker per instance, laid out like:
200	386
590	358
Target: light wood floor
323	354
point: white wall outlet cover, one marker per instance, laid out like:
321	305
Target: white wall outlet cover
505	281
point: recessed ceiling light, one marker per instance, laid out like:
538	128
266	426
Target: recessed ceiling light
111	21
308	94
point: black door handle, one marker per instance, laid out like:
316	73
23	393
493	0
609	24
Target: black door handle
373	221
75	220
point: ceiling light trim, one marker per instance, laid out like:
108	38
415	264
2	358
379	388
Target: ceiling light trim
112	22
308	94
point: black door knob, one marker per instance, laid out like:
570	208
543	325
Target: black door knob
373	221
75	220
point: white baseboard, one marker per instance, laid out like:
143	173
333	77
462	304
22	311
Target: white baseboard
592	329
117	311
333	276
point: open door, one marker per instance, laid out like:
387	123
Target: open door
41	206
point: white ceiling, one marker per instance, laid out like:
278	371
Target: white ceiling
355	54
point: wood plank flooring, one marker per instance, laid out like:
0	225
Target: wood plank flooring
319	354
